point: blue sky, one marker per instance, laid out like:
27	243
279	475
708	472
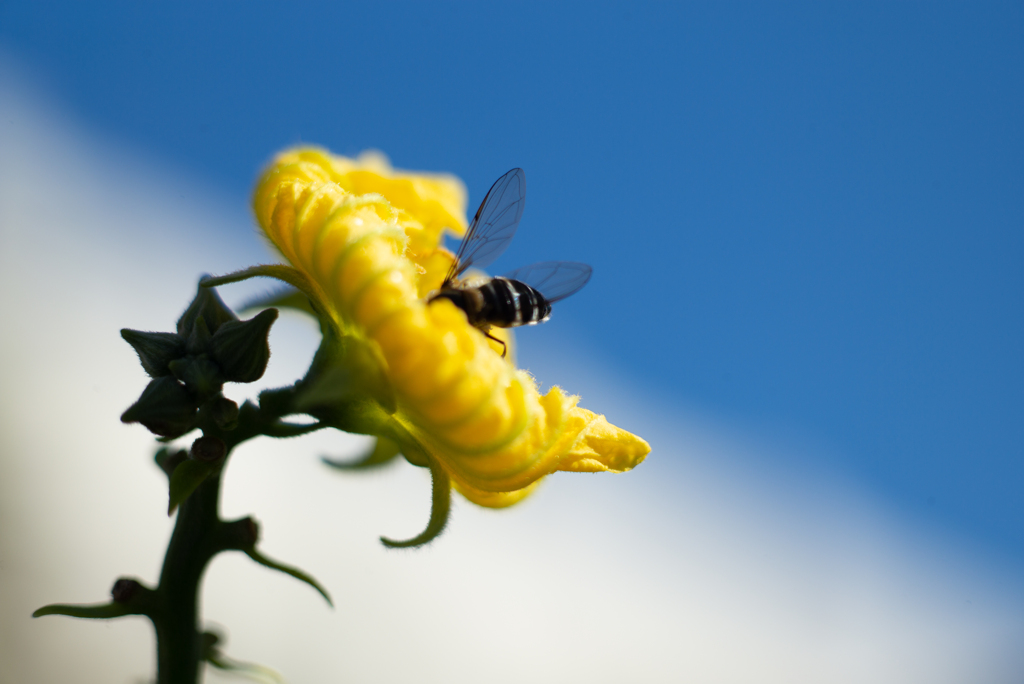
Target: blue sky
807	220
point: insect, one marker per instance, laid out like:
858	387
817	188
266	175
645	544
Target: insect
522	297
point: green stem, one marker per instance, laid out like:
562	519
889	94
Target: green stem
193	544
199	535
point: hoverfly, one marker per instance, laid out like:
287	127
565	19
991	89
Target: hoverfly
522	297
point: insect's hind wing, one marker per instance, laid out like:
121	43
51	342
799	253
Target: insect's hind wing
494	225
554	279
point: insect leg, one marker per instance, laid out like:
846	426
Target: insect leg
504	347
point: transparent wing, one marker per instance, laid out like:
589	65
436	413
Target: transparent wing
494	224
553	279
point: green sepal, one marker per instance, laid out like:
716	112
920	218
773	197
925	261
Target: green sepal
278	400
288	570
199	339
285	429
413	451
344	369
344	366
408	445
287	274
165	407
286	297
208	306
440	508
291	276
360	416
241	348
384	451
186	477
155	349
102	611
201	376
366	417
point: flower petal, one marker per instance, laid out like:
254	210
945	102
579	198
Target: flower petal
368	237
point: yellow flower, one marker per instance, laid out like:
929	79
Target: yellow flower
364	240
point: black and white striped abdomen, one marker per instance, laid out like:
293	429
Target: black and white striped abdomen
510	303
501	302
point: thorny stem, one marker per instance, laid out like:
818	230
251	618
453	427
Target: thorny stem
199	535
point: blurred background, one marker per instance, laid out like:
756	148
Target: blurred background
807	228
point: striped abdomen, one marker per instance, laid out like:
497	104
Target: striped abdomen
500	302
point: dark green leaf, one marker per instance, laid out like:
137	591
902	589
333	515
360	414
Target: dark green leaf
169	459
185	478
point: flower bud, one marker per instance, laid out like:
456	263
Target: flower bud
131	597
224	413
199	339
208	449
155	349
165	407
207	306
241	348
201	375
124	589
